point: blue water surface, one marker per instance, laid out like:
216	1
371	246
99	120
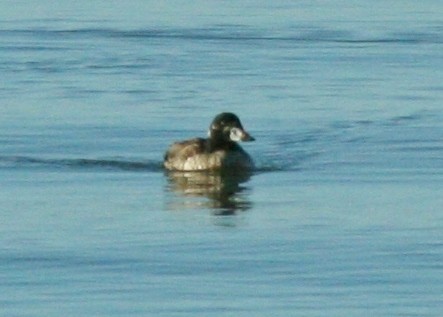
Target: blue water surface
343	216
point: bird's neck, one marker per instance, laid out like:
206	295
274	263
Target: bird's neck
218	143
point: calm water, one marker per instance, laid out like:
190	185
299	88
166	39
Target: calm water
342	218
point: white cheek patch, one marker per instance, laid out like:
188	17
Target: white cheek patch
236	134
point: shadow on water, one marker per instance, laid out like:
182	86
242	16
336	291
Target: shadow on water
223	193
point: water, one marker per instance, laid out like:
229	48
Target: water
342	217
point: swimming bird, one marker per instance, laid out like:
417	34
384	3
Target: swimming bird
219	151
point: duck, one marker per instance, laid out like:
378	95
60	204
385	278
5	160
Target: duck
219	151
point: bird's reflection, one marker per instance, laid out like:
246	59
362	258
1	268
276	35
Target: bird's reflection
223	193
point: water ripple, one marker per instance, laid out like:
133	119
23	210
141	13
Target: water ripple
236	33
80	163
